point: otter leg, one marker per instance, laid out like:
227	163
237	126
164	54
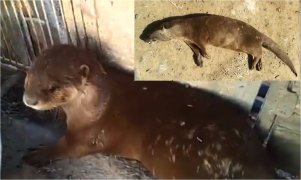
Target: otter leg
250	62
259	65
198	53
45	154
256	63
202	50
256	52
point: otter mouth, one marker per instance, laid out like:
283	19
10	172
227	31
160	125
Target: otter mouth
51	101
39	107
151	41
147	38
36	104
42	107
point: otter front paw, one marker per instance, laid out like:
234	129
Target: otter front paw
39	156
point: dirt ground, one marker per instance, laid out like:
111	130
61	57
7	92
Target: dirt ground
173	60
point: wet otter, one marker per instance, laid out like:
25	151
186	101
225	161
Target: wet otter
200	30
175	131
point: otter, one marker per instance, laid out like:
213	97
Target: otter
200	30
175	131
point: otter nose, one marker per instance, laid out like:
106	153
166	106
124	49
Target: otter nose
29	101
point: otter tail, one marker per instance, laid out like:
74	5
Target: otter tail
269	44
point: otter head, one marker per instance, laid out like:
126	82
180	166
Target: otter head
55	79
157	33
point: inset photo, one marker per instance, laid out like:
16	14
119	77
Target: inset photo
217	40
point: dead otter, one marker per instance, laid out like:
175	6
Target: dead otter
175	131
200	30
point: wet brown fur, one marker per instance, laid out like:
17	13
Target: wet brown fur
200	30
175	131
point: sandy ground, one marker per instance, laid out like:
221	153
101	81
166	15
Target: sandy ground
173	60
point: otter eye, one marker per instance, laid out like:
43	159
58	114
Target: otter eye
52	88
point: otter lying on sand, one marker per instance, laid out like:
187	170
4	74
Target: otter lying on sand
200	30
173	130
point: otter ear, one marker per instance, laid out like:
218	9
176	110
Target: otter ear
84	70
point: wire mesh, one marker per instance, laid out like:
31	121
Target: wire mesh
30	26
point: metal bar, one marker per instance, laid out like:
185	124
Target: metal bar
8	14
26	38
64	20
56	20
7	48
97	27
75	25
25	30
70	21
8	62
35	20
8	66
91	28
78	23
12	27
38	15
85	30
47	22
33	26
